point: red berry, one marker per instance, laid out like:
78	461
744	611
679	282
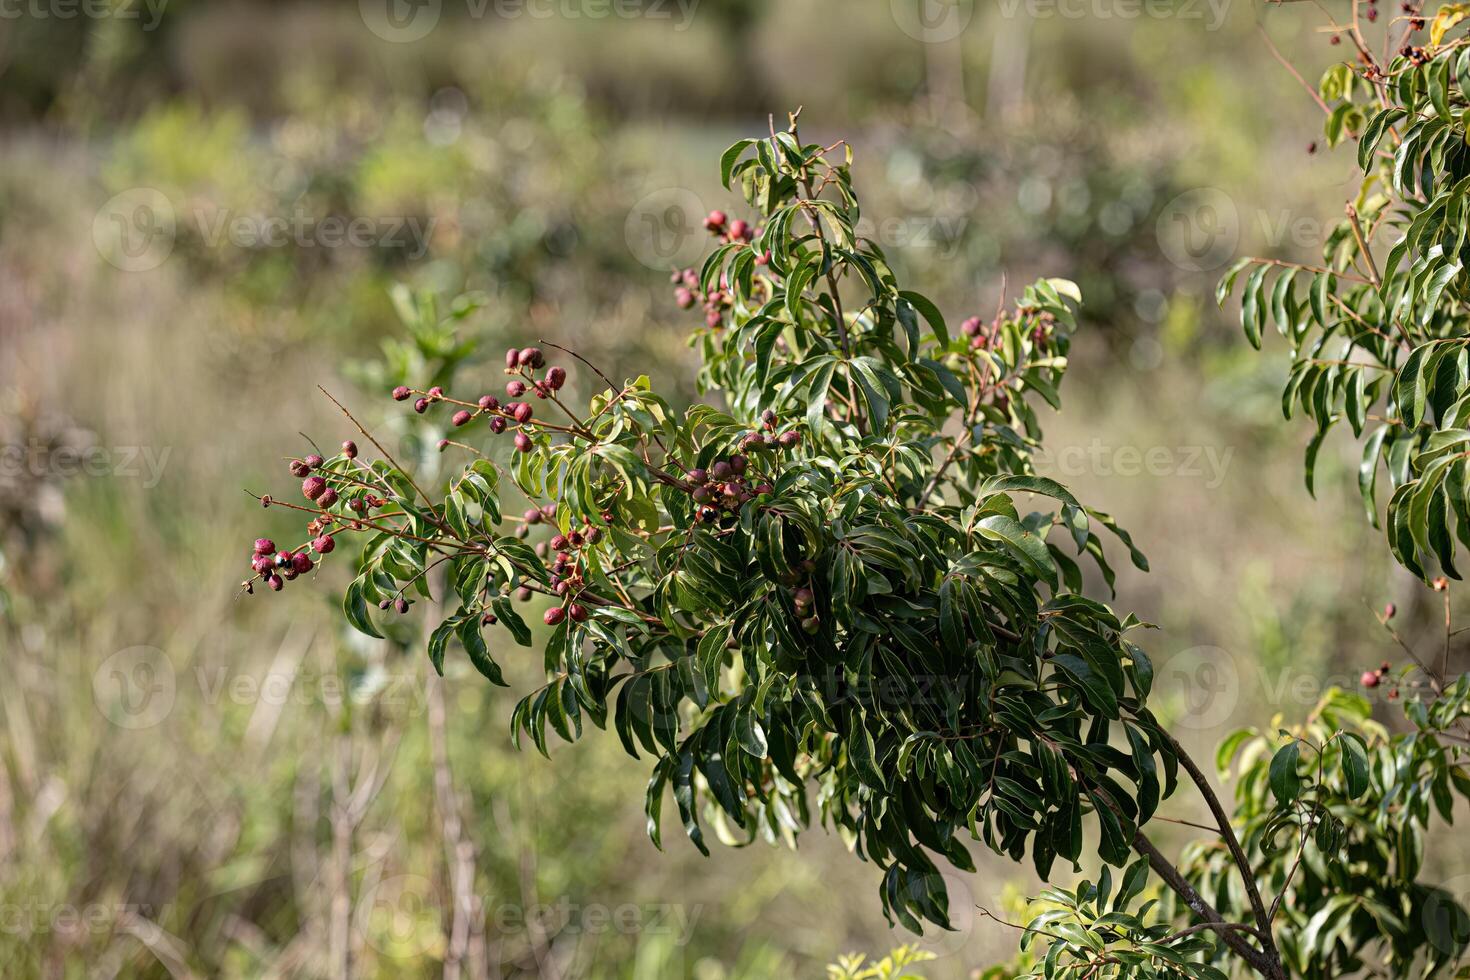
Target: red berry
512	357
971	326
522	412
1389	610
497	425
349	449
401	393
442	445
530	357
532	516
461	417
554	615
489	619
715	220
789	440
298	468
436	393
313	461
275	583
578	613
421	406
262	564
739	229
556	377
523	594
489	402
401	605
1370	678
515	389
523	443
684	298
559	543
264	546
324	544
328	497
301	562
313	487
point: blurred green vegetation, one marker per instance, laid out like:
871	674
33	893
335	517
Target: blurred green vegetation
232	787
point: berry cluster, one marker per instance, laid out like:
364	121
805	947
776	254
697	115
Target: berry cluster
523	363
275	566
715	302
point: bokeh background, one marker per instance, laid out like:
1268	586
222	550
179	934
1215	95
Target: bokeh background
203	208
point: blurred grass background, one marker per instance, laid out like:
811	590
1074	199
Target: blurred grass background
195	784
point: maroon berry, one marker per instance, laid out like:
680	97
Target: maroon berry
523	443
298	468
556	377
324	544
489	619
512	357
715	220
262	564
401	393
461	417
698	475
559	543
386	604
789	440
421	406
738	464
577	612
575	538
554	615
497	425
313	461
768	417
739	229
593	534
435	393
522	412
532	516
328	497
401	605
313	487
1370	678
301	562
349	449
515	389
530	357
764	488
489	403
971	326
563	587
275	583
442	445
803	597
264	546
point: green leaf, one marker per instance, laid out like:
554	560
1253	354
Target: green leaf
1286	785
